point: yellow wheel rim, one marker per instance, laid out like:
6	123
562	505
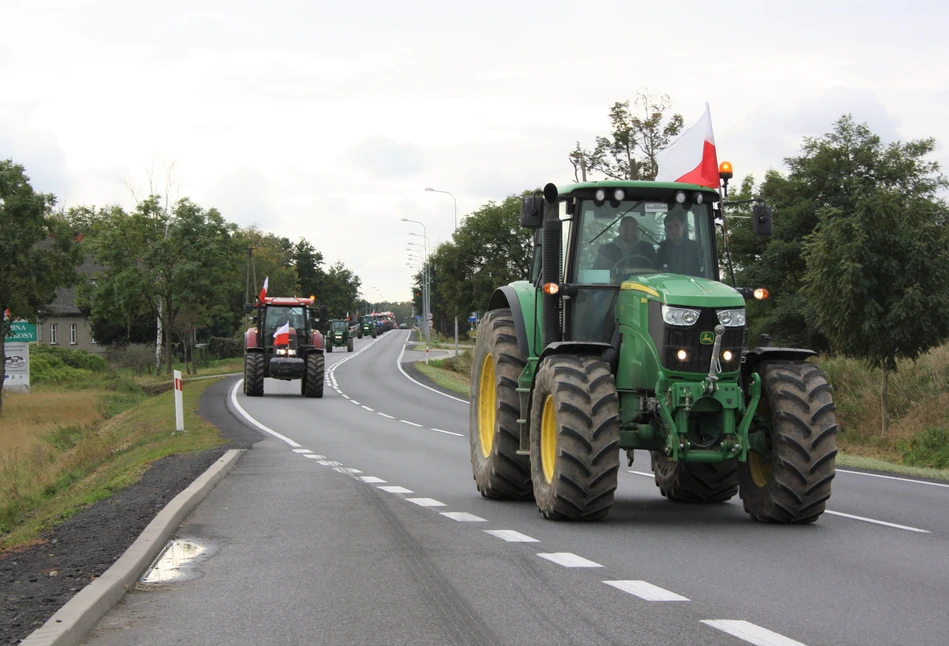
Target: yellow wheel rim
487	401
760	468
548	439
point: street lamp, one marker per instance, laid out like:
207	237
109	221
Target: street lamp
426	281
455	202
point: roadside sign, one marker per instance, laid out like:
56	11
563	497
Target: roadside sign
21	331
17	365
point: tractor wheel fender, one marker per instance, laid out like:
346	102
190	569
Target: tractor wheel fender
752	357
250	338
506	297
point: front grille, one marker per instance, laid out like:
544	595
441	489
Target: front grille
675	338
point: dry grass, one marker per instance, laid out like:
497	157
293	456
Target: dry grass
28	416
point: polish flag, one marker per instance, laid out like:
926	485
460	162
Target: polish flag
282	335
691	158
263	292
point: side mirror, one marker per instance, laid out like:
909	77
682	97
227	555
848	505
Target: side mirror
532	211
762	215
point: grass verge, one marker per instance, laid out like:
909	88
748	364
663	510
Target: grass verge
448	379
71	463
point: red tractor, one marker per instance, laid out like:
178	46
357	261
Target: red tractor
284	344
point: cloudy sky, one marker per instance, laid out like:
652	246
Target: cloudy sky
328	119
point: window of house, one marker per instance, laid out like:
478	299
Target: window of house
72	333
52	334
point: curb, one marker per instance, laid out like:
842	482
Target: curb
71	623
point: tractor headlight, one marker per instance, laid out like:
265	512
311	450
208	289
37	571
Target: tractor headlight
619	194
732	318
680	316
281	352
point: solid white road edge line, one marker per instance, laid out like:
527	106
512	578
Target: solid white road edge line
254	421
750	632
877	475
642	473
878	522
398	363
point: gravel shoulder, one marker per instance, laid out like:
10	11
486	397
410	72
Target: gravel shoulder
38	579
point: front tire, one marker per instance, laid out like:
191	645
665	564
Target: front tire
349	344
493	435
574	438
254	374
313	380
792	484
695	482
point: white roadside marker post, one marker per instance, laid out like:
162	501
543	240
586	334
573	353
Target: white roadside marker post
179	402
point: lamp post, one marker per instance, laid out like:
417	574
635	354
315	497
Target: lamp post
455	202
426	282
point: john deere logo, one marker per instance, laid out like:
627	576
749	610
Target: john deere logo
707	338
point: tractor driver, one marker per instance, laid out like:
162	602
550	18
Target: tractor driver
677	253
627	245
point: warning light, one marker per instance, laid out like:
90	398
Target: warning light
761	293
551	288
725	170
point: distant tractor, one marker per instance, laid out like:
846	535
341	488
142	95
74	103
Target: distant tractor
339	335
636	344
366	326
284	344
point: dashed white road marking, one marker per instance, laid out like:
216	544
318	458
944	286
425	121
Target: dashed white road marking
395	489
384	415
750	632
438	430
641	473
317	456
878	475
371	479
646	591
369	409
312	456
302	451
410	423
568	559
347	470
511	536
345	395
463	517
426	502
355	402
878	522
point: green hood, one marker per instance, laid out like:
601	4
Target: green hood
688	291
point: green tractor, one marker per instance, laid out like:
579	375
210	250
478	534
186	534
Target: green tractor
634	343
366	326
339	336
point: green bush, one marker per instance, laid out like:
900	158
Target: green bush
930	448
225	348
79	359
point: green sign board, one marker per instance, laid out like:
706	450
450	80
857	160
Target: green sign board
22	331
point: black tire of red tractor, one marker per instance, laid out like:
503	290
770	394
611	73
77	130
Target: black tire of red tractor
503	474
794	484
254	374
313	380
694	482
349	345
586	412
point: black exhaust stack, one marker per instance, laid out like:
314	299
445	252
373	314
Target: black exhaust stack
550	272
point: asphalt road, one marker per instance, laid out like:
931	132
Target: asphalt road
305	545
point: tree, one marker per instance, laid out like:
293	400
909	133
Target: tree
878	261
37	253
162	262
637	134
340	291
309	265
488	250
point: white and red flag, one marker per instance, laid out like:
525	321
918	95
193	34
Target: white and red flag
691	158
263	291
282	335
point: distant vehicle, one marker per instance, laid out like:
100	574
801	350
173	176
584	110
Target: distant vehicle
14	361
401	326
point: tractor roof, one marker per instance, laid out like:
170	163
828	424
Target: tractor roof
287	301
634	189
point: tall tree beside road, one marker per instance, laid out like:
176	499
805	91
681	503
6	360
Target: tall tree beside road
637	133
340	291
488	250
37	253
877	275
164	261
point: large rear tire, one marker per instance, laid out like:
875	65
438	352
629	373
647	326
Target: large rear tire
499	472
695	482
254	374
349	344
792	484
574	438
313	380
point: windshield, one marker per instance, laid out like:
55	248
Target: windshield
642	237
277	316
338	326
